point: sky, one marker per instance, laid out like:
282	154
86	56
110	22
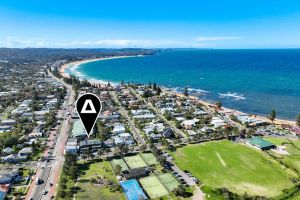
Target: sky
150	24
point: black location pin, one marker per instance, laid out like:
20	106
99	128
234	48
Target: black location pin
88	107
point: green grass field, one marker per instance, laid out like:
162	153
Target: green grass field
135	161
153	187
292	147
149	158
86	190
236	167
120	162
169	181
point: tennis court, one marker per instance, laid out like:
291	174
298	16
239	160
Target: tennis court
135	161
120	162
169	181
132	190
153	187
149	158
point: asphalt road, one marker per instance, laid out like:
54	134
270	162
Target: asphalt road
49	171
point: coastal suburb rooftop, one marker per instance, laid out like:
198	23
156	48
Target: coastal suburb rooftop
261	143
78	129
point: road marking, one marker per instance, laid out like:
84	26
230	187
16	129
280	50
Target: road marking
221	160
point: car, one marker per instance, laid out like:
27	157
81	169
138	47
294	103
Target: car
51	184
52	197
45	192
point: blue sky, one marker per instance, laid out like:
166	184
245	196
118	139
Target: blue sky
155	23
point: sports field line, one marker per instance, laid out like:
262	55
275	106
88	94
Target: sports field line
221	160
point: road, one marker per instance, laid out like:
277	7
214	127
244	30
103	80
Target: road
49	171
138	137
198	194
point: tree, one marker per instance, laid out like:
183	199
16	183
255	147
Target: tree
107	150
118	169
154	86
219	104
100	153
298	120
180	191
168	115
186	92
147	93
272	116
143	147
165	143
91	155
158	91
85	155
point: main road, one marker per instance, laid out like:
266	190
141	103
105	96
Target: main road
49	170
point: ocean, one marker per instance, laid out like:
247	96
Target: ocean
252	81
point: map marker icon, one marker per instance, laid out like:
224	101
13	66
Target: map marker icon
88	107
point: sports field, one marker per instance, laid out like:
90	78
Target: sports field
135	161
236	167
169	181
153	187
120	162
149	158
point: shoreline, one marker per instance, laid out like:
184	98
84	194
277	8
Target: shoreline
80	62
166	89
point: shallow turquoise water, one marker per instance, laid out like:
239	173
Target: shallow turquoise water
253	81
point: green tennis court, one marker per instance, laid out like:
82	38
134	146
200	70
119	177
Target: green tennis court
120	162
153	187
169	181
135	161
149	158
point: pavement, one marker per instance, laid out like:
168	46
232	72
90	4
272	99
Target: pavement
49	170
198	194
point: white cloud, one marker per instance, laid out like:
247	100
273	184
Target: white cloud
218	38
201	42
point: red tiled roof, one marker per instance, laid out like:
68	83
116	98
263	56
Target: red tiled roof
4	187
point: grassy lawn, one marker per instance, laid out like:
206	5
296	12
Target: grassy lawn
292	147
234	166
86	190
135	161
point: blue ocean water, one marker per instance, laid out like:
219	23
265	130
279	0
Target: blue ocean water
253	81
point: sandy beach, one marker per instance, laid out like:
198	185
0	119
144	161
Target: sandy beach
76	63
165	89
